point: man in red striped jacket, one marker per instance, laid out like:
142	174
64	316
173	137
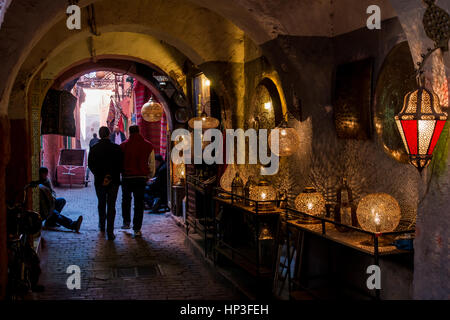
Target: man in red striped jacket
138	167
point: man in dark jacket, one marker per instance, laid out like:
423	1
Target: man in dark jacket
139	166
106	161
117	136
93	141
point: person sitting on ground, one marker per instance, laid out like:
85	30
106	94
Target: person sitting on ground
51	206
156	190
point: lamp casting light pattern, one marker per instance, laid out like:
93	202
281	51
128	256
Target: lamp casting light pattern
378	212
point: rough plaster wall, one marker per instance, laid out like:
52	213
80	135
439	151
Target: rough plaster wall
431	264
309	63
322	159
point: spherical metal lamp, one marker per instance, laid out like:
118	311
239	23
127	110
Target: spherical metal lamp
420	124
152	111
288	140
207	121
311	202
378	212
263	191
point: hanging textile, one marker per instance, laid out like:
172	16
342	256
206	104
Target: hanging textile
57	113
110	121
163	136
120	124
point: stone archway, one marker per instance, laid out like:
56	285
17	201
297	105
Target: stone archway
141	71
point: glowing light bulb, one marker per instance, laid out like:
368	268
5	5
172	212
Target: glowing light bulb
207	82
310	205
268	105
283	132
263	196
377	219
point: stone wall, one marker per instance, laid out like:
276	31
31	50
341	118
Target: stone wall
309	64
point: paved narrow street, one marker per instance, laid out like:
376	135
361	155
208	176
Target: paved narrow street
158	266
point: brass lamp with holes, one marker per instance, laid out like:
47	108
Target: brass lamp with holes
378	213
152	111
263	191
288	140
311	202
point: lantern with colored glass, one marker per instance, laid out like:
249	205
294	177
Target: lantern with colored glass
378	212
311	202
152	111
264	194
420	124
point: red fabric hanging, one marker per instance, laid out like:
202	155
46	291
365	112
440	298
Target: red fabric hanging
149	130
120	124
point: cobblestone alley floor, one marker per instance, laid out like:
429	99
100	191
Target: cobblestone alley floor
160	265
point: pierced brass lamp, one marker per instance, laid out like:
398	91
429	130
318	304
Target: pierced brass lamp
311	202
152	111
378	212
207	121
288	140
263	191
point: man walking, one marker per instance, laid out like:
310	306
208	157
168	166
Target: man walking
117	136
106	161
139	165
92	143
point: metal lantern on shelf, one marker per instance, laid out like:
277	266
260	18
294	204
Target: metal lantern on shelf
152	111
263	191
420	124
288	140
378	212
251	183
180	173
237	188
311	202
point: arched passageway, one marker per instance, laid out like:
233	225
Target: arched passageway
296	46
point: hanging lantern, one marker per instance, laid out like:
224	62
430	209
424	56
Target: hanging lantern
100	74
207	121
420	124
311	202
152	111
378	212
288	140
263	191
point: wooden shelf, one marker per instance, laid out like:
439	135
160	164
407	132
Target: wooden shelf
248	209
245	263
352	239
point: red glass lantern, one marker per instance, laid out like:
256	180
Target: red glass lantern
420	123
